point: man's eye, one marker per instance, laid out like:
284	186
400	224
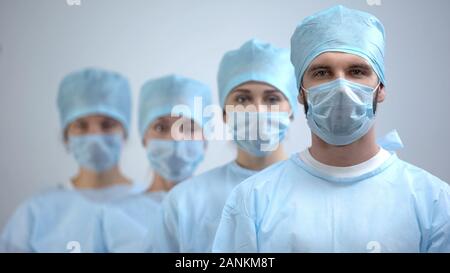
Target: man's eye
320	74
357	72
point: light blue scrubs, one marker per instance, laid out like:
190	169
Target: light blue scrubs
191	210
61	220
290	207
131	224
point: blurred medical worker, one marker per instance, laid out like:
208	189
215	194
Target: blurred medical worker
258	81
95	109
344	193
175	145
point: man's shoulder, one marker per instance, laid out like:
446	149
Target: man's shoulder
421	180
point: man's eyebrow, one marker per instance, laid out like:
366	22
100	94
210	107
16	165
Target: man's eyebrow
362	66
315	67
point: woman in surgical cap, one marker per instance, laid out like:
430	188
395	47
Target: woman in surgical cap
258	97
95	109
171	125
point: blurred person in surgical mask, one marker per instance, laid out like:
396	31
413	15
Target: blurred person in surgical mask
257	85
173	133
345	193
95	110
171	129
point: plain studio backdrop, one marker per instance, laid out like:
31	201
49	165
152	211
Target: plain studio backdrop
41	41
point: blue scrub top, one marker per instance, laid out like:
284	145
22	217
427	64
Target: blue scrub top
289	207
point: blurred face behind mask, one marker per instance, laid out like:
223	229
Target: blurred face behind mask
96	142
175	147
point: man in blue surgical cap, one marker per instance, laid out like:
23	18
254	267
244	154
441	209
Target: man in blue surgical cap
344	193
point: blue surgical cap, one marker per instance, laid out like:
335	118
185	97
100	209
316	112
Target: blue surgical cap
159	96
94	91
260	62
338	29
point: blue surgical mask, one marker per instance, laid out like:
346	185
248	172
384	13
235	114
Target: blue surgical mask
259	133
340	112
175	160
96	152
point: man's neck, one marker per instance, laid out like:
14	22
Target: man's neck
251	162
344	156
87	179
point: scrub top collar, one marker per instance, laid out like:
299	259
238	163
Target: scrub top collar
389	162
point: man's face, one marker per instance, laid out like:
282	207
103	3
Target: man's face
330	66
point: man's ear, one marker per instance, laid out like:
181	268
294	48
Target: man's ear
302	100
300	97
381	93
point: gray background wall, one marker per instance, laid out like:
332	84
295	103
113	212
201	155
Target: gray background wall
41	41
